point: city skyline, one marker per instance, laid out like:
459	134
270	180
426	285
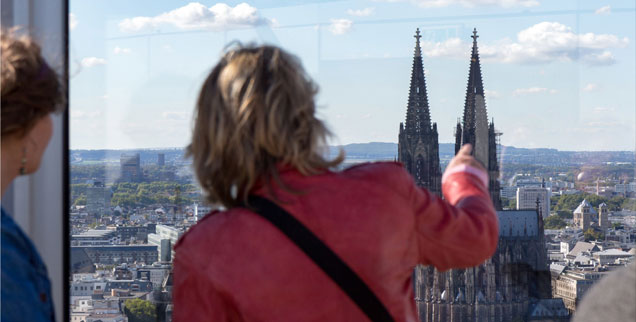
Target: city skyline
568	89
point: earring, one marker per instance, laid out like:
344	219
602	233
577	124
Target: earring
23	163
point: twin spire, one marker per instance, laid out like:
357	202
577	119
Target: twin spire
418	116
418	147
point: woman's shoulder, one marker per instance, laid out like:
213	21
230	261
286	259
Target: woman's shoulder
210	228
385	172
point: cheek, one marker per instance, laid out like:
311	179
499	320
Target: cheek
41	135
47	131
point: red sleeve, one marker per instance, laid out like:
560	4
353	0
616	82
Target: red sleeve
195	298
460	231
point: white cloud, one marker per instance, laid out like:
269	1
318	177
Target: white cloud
72	21
118	50
197	16
600	59
546	42
603	11
542	43
340	26
492	94
452	47
532	90
92	62
469	3
366	116
591	87
361	12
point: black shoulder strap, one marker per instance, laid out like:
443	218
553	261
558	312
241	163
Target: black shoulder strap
323	256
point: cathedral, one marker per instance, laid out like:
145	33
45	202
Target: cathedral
514	284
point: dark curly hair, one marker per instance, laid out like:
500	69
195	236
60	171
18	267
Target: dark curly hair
30	88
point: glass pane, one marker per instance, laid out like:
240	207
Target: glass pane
542	89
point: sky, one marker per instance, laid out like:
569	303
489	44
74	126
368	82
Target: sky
557	74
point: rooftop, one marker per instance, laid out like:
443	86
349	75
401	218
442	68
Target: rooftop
612	251
581	247
517	223
583	204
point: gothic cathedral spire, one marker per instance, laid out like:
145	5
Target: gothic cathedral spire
475	128
418	147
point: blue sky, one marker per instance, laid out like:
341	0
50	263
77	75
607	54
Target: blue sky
558	74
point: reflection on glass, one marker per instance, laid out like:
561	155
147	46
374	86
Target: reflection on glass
543	90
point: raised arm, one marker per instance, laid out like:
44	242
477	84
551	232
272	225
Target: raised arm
462	230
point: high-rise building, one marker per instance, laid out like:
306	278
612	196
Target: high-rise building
161	159
508	285
130	167
418	146
527	198
98	198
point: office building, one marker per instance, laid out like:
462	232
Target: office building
528	197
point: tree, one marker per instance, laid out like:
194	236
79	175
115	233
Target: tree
629	204
565	214
554	222
138	310
80	200
569	202
590	234
509	203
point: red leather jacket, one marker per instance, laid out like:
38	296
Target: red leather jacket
235	266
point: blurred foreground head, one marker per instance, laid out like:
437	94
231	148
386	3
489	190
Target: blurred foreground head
255	113
31	91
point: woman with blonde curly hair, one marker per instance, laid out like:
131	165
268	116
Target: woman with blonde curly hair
31	91
259	150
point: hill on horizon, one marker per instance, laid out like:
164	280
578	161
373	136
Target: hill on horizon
388	151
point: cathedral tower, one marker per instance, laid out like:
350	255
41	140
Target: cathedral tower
506	286
418	146
474	127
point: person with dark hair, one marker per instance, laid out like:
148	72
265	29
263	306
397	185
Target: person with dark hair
356	235
31	91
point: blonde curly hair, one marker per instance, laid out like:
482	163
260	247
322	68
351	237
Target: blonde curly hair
255	112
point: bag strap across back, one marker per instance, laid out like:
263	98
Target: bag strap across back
323	256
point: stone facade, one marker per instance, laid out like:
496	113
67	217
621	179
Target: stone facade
500	289
583	215
508	285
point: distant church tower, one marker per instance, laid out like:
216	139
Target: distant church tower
418	146
475	129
